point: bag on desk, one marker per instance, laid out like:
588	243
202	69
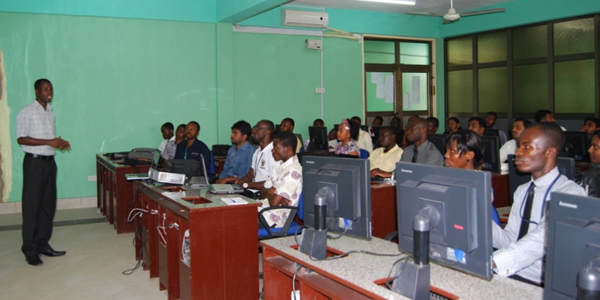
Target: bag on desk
140	156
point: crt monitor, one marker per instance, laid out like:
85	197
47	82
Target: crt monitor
439	141
573	242
189	167
576	145
346	184
491	152
458	203
318	138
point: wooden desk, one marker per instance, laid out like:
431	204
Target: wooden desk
354	276
223	243
501	190
383	210
114	192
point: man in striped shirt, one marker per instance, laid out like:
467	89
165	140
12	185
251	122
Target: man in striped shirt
521	243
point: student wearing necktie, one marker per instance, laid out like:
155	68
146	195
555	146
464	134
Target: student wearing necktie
421	150
521	243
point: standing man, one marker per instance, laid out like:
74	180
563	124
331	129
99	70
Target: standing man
193	147
239	157
36	135
262	159
521	243
421	150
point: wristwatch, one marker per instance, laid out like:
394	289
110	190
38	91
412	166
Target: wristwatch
245	185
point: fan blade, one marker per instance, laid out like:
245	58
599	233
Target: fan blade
418	13
481	12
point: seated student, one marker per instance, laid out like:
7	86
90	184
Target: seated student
363	141
452	125
284	185
193	147
422	150
490	122
384	159
464	150
318	123
510	146
288	124
477	125
521	243
405	140
332	137
590	179
168	140
346	134
546	116
590	125
262	159
239	157
432	125
377	122
170	150
396	125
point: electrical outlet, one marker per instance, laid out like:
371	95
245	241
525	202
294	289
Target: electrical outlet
295	295
320	90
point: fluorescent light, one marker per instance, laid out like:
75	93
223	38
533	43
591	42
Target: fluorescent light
401	2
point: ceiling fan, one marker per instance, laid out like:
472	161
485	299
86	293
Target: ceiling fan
453	16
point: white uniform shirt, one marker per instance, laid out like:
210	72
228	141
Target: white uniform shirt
364	141
36	122
262	163
509	147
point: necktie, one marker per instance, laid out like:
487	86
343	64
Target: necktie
415	153
527	213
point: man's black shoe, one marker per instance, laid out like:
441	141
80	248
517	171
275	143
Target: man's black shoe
34	260
51	252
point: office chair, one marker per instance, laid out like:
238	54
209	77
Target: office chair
363	154
289	228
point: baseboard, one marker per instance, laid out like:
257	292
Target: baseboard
66	203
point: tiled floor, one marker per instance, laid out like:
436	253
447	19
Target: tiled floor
92	268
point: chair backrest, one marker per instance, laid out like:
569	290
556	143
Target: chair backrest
363	154
300	212
211	164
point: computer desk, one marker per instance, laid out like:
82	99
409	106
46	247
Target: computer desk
383	204
223	242
360	276
114	192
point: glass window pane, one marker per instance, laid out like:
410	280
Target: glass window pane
574	86
531	88
460	51
492	89
530	42
380	52
491	47
460	91
414	91
380	91
414	53
575	36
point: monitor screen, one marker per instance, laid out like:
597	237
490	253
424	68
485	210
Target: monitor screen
189	167
573	241
491	132
491	152
461	200
576	145
439	141
346	182
318	139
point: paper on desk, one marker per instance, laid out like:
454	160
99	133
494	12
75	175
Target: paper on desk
234	201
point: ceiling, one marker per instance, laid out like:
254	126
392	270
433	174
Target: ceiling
434	7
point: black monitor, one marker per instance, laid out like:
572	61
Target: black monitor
491	132
491	152
346	182
576	145
573	242
439	141
461	200
364	128
565	165
189	167
318	139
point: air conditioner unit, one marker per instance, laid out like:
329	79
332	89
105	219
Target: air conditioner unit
304	18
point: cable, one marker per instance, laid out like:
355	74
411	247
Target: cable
158	228
355	251
139	262
390	278
294	282
139	212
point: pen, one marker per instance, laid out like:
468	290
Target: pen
232	200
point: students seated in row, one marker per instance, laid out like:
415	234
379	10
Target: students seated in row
167	146
510	146
262	159
521	243
432	125
239	157
590	125
490	122
284	185
383	159
477	125
590	179
464	151
193	147
546	116
170	149
346	134
452	125
288	124
363	140
421	150
396	126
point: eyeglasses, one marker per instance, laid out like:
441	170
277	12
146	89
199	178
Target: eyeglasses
258	127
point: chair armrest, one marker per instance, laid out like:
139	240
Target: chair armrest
287	224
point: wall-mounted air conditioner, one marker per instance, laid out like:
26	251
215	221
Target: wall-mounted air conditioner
304	18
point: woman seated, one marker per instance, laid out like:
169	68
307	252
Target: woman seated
453	126
346	134
464	150
590	179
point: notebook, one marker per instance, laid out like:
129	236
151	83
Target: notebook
145	176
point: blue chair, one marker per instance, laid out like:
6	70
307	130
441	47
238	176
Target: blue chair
211	164
495	215
289	228
363	154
